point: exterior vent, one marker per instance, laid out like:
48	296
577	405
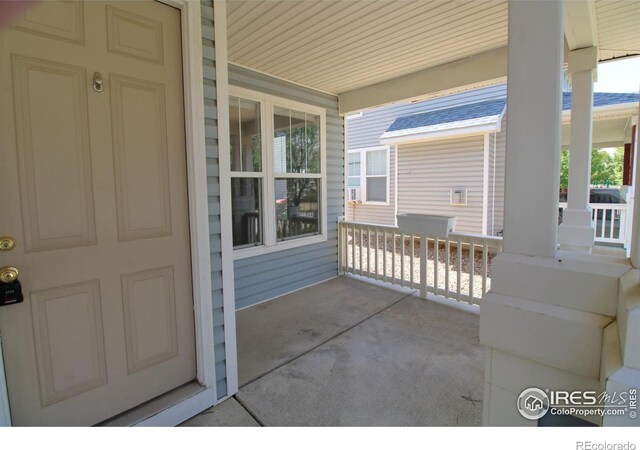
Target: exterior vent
354	194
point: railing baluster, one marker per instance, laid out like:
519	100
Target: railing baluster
459	271
384	256
393	261
412	244
436	261
377	246
611	224
471	269
402	260
353	249
485	258
424	251
447	260
360	250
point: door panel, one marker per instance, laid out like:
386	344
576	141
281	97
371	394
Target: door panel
57	199
69	340
149	317
140	147
58	20
95	194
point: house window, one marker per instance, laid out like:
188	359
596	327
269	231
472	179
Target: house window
369	170
246	172
278	184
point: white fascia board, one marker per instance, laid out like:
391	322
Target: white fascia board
607	111
446	131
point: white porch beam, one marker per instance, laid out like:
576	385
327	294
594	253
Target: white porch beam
580	26
534	95
481	69
577	231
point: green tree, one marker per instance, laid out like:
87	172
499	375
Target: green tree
564	169
606	169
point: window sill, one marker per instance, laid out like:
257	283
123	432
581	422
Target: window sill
376	203
279	246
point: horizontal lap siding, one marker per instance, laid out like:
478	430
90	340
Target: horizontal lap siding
213	189
378	214
365	131
428	171
267	276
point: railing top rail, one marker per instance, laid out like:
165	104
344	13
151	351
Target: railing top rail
600	205
463	235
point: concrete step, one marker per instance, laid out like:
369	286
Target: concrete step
581	282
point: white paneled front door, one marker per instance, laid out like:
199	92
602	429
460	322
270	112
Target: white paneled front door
94	192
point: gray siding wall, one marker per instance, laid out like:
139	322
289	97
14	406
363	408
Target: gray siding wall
378	214
267	276
428	171
365	131
213	181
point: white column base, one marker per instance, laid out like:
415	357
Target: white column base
577	231
530	321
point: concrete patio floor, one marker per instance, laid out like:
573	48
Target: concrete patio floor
349	353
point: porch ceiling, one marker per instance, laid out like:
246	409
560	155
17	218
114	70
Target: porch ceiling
340	46
618	28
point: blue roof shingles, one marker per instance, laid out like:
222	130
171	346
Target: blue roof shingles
493	108
448	115
603	99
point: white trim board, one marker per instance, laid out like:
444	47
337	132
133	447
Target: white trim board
224	143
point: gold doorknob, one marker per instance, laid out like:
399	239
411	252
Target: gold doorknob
8	274
7	243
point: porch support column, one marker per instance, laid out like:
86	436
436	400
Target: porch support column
577	231
534	92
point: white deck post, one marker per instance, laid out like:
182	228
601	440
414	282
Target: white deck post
577	232
534	93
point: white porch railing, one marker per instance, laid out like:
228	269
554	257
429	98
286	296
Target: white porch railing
457	268
610	221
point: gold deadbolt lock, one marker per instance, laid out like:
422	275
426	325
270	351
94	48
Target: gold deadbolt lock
8	274
7	243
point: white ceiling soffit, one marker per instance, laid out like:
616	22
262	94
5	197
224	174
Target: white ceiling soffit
339	46
352	46
618	28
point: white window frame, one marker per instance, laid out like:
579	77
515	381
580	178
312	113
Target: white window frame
267	105
364	176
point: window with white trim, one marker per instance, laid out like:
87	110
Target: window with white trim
369	170
277	172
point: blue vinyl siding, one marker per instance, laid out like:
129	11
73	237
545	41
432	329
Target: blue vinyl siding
213	177
267	276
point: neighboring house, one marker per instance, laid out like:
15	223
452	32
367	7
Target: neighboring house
447	155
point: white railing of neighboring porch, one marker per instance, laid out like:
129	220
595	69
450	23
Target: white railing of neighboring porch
610	221
458	267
